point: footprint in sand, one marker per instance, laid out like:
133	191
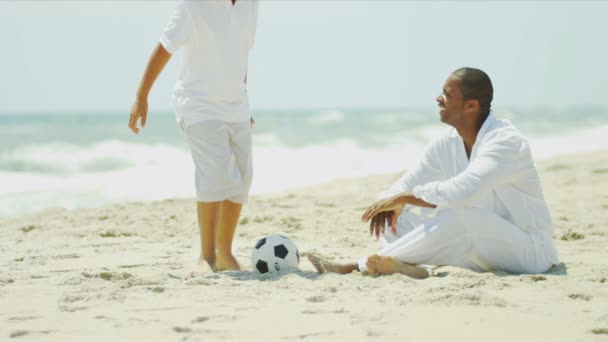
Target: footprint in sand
114	276
114	234
157	289
200	319
71	303
182	329
315	299
537	278
22	318
580	296
27	229
18	333
5	281
262	219
572	236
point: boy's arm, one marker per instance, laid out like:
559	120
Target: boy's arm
156	64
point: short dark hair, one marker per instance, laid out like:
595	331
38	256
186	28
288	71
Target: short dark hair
476	85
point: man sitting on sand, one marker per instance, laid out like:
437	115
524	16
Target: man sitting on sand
482	203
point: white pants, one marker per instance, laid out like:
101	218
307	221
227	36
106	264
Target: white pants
470	238
222	157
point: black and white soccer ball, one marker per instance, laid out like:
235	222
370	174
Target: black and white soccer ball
275	254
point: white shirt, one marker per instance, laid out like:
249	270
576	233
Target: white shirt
500	176
216	37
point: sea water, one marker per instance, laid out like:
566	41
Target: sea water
75	160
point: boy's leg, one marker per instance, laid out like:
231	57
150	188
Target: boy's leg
208	221
240	145
229	218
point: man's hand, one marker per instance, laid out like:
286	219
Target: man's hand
382	211
379	222
139	111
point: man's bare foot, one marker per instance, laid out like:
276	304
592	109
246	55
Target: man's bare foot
226	263
389	265
323	266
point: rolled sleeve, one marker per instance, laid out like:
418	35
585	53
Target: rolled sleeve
497	162
430	194
178	29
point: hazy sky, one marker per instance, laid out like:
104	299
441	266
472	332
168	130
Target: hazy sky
89	55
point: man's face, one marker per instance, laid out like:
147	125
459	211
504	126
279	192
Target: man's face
450	102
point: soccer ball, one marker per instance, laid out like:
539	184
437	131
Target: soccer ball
274	254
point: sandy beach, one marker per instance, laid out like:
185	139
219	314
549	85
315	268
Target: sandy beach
129	272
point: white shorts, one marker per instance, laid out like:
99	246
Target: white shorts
222	159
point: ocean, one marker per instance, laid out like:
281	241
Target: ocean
76	160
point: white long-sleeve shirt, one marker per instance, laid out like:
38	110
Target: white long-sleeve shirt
500	176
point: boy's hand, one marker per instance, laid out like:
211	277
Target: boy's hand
139	111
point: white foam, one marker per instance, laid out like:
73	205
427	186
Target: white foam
154	172
326	117
70	159
586	140
280	168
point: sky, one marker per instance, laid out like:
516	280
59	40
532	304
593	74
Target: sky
90	55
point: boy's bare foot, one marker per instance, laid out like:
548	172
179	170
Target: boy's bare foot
388	265
226	263
205	265
323	266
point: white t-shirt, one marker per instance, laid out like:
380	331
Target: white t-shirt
216	37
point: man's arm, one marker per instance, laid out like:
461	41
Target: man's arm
428	169
156	64
499	161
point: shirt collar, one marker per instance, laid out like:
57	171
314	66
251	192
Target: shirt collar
490	120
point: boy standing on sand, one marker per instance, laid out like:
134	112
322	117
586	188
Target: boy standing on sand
212	111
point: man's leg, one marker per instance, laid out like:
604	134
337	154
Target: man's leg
375	264
470	238
229	218
437	239
404	226
208	220
324	266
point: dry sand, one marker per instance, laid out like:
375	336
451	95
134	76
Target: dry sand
128	272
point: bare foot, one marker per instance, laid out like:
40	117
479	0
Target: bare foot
227	263
206	266
323	266
207	263
389	265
